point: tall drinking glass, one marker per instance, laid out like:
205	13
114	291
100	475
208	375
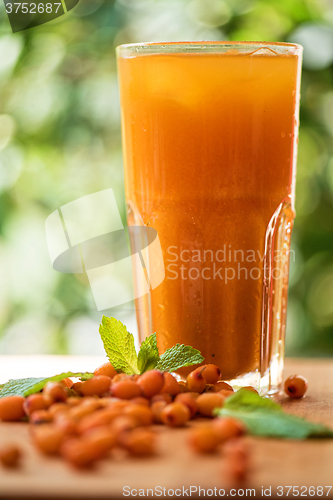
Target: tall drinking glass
210	144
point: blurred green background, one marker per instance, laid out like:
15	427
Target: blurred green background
60	140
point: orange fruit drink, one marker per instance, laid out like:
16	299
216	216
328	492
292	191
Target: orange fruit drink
210	140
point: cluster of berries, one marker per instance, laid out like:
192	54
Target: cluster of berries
84	421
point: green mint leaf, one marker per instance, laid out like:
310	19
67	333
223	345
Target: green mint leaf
148	356
178	356
263	417
119	345
26	386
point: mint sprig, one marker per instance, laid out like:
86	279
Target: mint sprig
178	356
26	386
119	347
264	417
148	356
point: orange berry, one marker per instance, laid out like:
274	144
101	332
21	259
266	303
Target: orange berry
228	428
175	415
140	401
40	417
10	455
126	389
106	369
163	396
96	386
224	386
171	385
190	400
208	402
157	409
58	408
296	386
66	424
80	453
151	383
121	376
77	387
67	382
54	392
103	438
141	413
203	439
211	373
33	403
196	381
11	408
141	442
97	419
48	438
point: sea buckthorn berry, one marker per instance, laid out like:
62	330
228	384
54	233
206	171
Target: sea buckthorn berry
151	383
188	399
142	413
33	403
96	386
122	426
203	439
66	424
157	409
74	401
48	438
208	402
40	417
224	386
103	438
126	389
296	386
228	428
106	369
10	455
250	388
211	373
175	415
81	411
121	376
171	385
11	408
58	408
80	453
163	396
237	448
67	382
141	442
77	387
236	469
140	401
237	459
97	419
196	381
54	392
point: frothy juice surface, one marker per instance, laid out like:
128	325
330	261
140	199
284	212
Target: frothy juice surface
208	148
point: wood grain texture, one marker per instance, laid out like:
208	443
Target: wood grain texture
274	462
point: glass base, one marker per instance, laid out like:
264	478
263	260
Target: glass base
267	384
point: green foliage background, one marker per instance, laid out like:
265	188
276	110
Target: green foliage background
60	140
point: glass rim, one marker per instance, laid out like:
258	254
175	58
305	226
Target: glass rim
199	47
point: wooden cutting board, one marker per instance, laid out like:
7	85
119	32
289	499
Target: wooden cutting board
275	463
